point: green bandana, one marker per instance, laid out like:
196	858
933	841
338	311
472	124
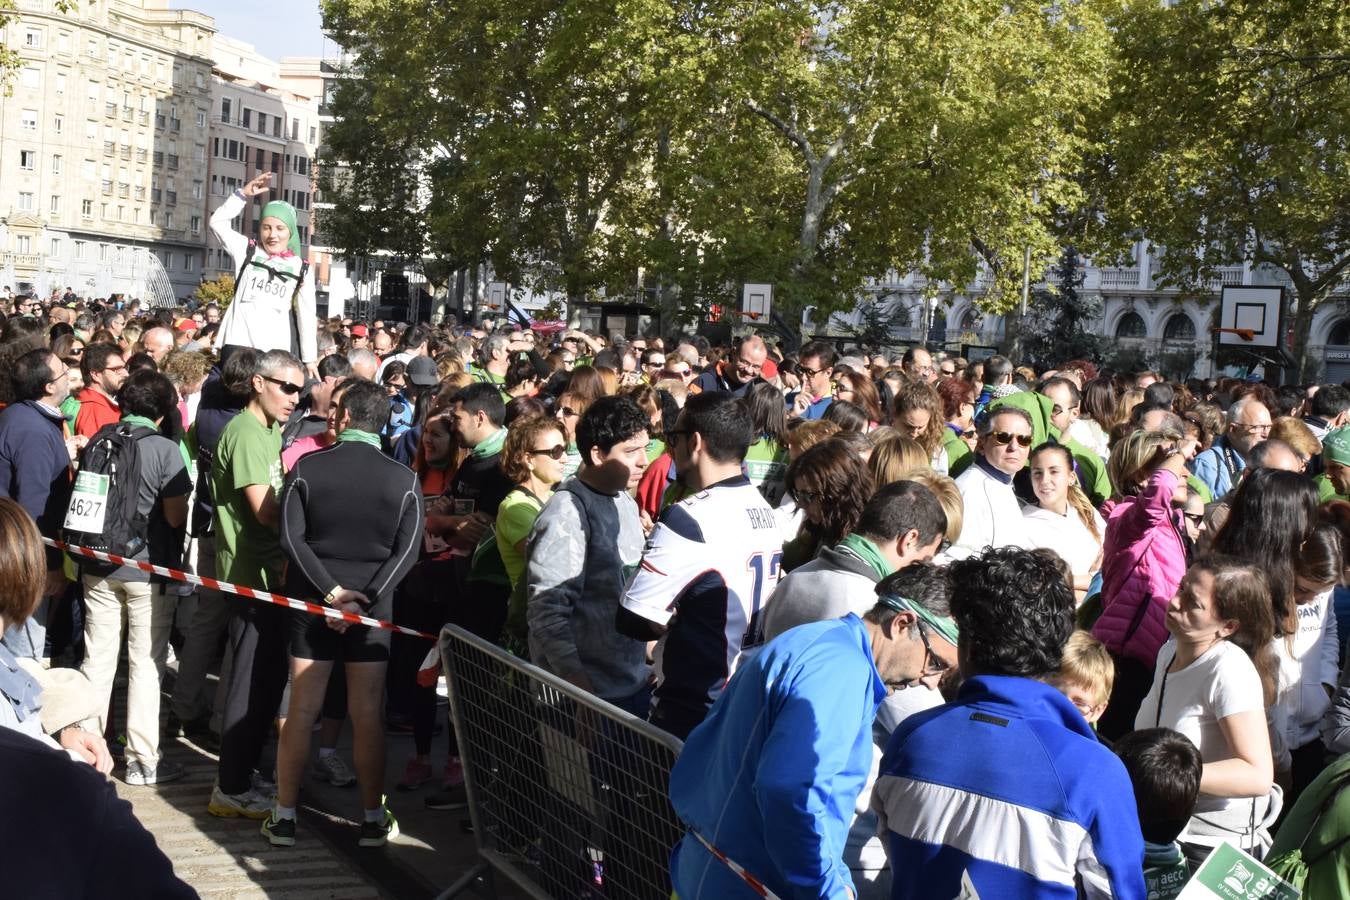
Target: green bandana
280	209
945	626
867	551
490	445
143	422
362	437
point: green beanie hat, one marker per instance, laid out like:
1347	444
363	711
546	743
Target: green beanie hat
280	209
1336	446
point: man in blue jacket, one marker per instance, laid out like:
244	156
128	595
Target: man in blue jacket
1006	792
766	785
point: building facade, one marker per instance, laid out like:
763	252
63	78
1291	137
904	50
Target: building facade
103	142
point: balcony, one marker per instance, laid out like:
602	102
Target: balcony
142	155
143	117
1120	278
123	189
171	197
159	120
154	195
128	114
110	110
107	186
126	152
159	157
109	148
173	161
22	260
175	124
139	192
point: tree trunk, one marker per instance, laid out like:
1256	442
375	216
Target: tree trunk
473	295
1305	366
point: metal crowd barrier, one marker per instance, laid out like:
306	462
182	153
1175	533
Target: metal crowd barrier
568	795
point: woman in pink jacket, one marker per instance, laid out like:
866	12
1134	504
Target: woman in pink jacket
1144	556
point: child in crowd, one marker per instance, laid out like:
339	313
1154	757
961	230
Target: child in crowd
1164	768
1086	674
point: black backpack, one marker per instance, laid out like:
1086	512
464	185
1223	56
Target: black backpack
102	512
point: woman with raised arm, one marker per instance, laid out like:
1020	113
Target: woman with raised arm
273	305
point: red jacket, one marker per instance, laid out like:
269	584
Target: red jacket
96	410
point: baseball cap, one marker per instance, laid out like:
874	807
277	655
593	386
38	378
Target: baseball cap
360	331
769	370
422	371
1336	446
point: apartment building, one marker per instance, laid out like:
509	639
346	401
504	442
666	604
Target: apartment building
103	148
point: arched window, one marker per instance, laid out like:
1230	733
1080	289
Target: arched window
1179	328
969	320
1131	325
1340	333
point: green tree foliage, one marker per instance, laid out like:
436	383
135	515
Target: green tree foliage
219	291
1056	325
1226	140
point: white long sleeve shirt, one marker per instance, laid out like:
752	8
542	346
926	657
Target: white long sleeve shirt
992	516
260	314
1300	698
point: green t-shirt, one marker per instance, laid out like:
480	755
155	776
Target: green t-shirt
247	552
655	447
766	467
515	518
1326	490
70	408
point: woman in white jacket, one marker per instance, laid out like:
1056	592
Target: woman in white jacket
273	305
1307	673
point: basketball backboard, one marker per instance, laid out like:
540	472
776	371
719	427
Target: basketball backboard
756	301
1255	310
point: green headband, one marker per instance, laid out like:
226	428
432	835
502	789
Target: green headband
280	209
945	626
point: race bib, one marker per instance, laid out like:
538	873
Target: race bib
88	503
463	507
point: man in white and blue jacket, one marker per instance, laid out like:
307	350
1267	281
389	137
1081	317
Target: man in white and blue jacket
766	785
1006	792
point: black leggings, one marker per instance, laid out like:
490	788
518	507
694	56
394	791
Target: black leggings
1132	684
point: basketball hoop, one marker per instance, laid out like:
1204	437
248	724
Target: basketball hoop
1247	334
754	316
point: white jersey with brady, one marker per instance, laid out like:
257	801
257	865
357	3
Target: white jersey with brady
709	564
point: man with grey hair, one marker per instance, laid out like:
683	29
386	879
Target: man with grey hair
246	477
992	513
1219	466
364	364
158	342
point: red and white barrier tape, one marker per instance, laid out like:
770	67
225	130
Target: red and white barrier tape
314	609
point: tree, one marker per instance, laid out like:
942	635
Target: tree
1056	325
219	290
1226	141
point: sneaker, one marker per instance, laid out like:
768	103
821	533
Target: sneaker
249	805
454	772
415	775
376	834
333	770
450	796
260	783
279	832
160	773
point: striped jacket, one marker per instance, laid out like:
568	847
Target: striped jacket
1006	792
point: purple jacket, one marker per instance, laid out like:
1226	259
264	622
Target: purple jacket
1143	561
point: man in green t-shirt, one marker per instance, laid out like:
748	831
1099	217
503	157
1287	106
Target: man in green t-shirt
246	477
1334	482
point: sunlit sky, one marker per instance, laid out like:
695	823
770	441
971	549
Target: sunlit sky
276	27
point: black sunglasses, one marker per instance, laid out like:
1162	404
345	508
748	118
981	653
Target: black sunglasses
286	386
934	664
557	451
1004	437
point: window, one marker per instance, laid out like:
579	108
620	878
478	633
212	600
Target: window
168	261
189	262
56	164
276	126
91	92
197	189
54	248
121	213
1179	328
87	209
60	82
195	224
295	129
91	48
201	119
313	134
91	131
32	38
28	160
248	117
31	77
58	124
28	120
1131	325
63	42
26	201
56	205
262	123
79	250
23	243
103	253
258	158
225	109
199	152
199	79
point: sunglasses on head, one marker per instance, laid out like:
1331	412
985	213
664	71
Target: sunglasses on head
287	387
1004	437
557	451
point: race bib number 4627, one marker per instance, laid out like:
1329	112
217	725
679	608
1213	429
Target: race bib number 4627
88	503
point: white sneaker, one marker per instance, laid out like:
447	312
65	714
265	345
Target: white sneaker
333	770
162	772
248	805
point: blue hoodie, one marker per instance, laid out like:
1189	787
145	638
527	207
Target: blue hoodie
771	776
1008	787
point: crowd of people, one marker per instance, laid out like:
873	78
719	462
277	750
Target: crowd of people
926	625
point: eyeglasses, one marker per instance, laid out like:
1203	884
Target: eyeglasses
969	433
840	388
1058	410
947	372
812	373
1194	518
567	412
655	364
932	663
1251	429
805	497
1004	437
287	387
59	375
558	451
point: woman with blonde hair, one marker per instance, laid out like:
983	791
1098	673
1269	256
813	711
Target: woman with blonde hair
1063	519
1297	434
918	416
805	435
949	498
895	459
